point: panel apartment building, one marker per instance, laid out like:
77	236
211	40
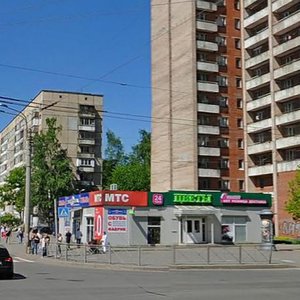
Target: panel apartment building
80	116
197	106
271	43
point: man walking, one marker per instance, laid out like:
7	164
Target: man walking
68	239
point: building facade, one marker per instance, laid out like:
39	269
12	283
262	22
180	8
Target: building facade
80	117
271	72
197	129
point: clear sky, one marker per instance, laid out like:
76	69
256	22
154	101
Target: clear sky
107	40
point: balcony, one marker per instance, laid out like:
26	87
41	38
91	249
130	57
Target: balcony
250	2
256	60
288	118
85	155
287	46
259	126
206	86
207	6
207	26
257	39
287	166
207	46
208	108
260	170
209	173
287	70
259	103
286	94
86	169
86	141
259	148
256	18
258	81
281	5
207	66
287	24
206	129
209	151
288	142
87	114
91	128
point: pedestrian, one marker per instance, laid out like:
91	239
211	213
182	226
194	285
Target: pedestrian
45	241
59	242
78	236
7	234
35	243
68	238
20	235
104	242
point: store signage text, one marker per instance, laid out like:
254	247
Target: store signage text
236	199
115	198
180	198
117	220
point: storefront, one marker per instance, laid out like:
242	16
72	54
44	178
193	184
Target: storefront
175	217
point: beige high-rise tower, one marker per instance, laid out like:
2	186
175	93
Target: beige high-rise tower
80	116
197	116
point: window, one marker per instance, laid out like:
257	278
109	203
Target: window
224	184
223	101
287	83
204	184
257	51
241	185
290	131
201	36
237	24
239	103
202	56
238	62
222	81
238	82
234	229
202	77
222	60
240	123
240	144
221	21
237	4
223	122
87	162
241	164
86	121
288	107
224	163
203	141
153	230
237	43
204	163
221	40
223	143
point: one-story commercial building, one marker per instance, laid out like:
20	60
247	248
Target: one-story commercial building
174	217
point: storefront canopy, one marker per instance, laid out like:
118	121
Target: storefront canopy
194	210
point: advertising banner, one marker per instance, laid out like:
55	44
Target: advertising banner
118	198
117	220
79	200
98	229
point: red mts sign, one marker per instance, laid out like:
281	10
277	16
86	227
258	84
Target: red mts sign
118	198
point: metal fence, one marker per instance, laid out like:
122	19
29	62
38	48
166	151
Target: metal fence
163	256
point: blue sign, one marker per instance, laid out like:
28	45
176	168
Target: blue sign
79	200
63	212
117	211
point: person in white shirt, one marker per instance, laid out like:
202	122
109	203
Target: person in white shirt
104	242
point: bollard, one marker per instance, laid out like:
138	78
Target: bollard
174	254
84	254
110	258
240	254
208	255
139	256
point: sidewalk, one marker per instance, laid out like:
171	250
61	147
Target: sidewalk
286	256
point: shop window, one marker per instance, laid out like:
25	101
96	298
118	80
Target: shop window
234	229
153	232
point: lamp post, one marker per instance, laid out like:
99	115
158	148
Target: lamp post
28	172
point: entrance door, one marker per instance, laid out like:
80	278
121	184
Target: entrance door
194	231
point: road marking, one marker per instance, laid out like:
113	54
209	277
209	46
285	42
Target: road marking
287	261
23	259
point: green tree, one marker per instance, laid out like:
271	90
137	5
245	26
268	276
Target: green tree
10	220
134	174
12	192
52	172
293	203
114	156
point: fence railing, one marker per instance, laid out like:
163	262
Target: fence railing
163	256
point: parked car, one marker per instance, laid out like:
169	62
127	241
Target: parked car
6	263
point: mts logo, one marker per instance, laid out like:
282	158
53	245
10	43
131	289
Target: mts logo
111	198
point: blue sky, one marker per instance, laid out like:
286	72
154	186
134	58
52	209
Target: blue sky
107	40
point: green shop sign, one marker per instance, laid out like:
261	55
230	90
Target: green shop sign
183	198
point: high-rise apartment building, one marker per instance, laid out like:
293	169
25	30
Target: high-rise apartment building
197	106
271	60
80	117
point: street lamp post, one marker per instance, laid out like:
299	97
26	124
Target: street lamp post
28	173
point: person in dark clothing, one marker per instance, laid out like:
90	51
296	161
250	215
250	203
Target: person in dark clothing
68	238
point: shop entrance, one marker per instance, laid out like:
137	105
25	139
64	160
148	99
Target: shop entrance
193	231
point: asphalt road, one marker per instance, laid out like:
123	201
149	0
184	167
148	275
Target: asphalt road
37	280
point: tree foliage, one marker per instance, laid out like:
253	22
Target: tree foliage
293	203
134	174
52	172
114	156
12	192
10	220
